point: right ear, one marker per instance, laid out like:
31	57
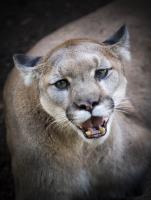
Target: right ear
28	66
119	43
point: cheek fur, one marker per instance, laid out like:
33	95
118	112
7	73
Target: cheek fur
120	92
110	83
58	97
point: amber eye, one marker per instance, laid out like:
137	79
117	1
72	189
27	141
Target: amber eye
62	84
101	73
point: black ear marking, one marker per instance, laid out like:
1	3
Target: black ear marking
22	60
121	35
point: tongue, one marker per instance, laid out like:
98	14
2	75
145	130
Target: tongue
93	122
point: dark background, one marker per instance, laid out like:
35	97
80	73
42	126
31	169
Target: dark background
22	24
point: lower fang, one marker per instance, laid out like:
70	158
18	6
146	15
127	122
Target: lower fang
102	130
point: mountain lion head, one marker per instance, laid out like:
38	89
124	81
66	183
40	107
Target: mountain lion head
80	83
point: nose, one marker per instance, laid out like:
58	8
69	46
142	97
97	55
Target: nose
87	105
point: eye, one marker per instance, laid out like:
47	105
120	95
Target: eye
101	73
62	84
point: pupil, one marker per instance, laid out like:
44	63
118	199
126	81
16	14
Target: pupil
62	84
102	73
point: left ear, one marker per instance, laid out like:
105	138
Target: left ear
28	66
119	43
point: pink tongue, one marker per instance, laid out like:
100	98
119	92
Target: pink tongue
93	122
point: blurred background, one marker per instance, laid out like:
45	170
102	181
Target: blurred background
22	24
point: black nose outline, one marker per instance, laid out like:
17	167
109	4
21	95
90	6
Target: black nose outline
87	105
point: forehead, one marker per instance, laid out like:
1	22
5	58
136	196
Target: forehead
78	57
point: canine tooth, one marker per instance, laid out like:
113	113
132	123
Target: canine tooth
102	130
88	133
105	119
80	126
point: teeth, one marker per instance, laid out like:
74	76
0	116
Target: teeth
106	119
102	130
80	126
88	133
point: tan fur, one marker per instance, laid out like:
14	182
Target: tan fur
49	159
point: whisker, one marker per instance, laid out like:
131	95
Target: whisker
125	106
123	111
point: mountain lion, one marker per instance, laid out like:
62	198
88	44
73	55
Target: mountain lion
72	132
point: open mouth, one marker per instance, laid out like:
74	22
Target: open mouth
94	128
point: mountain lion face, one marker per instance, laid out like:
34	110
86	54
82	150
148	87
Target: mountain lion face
81	83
